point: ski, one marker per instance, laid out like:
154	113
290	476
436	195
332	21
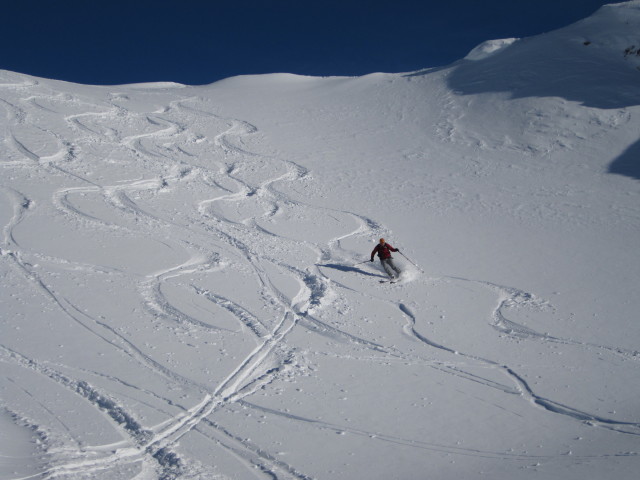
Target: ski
388	281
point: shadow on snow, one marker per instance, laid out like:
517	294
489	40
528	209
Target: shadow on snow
628	163
349	268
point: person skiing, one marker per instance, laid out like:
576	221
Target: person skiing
384	249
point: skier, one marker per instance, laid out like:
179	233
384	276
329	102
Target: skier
383	249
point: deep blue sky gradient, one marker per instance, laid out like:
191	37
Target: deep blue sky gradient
198	42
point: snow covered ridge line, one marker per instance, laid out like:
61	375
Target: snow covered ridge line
154	85
613	28
618	30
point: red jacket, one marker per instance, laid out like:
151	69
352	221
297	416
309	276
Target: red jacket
383	251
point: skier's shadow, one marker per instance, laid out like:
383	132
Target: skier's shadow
347	268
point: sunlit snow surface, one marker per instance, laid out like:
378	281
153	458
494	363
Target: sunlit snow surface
186	291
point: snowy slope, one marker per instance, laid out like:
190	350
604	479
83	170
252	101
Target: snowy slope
186	290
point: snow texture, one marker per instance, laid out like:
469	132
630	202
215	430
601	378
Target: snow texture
186	291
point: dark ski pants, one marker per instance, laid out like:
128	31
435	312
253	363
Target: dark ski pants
389	267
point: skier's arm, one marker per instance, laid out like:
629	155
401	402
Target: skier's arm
375	249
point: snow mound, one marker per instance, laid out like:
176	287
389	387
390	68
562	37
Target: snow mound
489	48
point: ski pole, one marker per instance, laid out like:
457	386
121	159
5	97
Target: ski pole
412	263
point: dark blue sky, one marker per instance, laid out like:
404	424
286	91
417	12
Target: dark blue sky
198	42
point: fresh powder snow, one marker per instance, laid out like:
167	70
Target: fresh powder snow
187	291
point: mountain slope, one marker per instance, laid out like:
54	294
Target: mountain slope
187	291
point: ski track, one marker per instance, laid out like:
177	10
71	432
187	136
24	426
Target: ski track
146	444
161	142
430	446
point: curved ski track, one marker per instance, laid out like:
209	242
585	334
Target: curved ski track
227	231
